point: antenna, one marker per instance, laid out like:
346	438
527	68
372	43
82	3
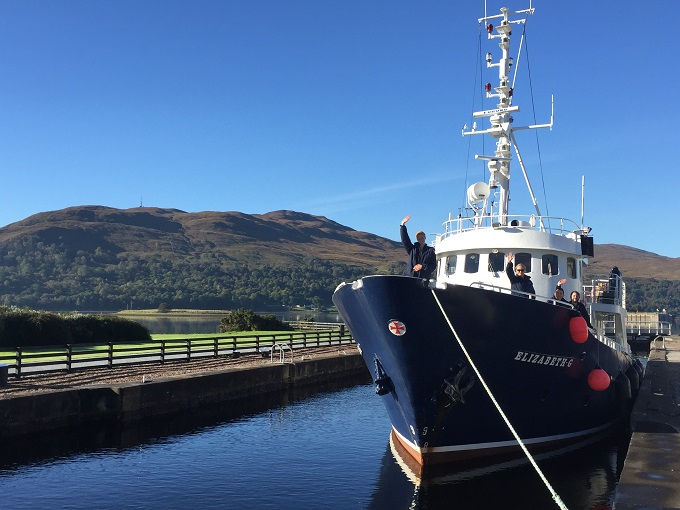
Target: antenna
583	193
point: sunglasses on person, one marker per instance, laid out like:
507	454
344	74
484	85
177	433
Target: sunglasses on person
519	270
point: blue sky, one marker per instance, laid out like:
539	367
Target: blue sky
348	109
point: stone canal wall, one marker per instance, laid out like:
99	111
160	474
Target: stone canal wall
126	402
650	478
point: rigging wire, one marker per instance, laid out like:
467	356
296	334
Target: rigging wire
533	109
478	73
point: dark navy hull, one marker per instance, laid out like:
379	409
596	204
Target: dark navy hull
523	349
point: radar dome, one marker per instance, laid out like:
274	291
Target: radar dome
478	192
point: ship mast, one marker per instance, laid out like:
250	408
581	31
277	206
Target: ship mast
501	118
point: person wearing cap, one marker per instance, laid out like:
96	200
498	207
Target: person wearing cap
559	291
421	257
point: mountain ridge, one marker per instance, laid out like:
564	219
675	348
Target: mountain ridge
98	257
153	230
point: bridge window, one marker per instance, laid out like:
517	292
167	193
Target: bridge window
496	262
451	264
523	258
549	264
571	267
471	263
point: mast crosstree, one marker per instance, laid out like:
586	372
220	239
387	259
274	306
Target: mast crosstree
501	119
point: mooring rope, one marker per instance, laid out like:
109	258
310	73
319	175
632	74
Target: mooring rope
555	496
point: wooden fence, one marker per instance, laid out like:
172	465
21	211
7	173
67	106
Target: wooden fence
69	357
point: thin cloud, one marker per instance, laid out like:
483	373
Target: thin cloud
378	194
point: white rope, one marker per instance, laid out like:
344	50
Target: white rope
555	496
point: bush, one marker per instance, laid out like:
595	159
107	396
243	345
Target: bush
28	327
21	328
247	320
106	328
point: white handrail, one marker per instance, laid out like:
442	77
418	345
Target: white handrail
282	352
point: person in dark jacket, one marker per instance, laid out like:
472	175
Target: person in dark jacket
519	280
580	307
421	257
614	278
558	295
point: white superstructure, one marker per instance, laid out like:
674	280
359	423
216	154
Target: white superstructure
473	250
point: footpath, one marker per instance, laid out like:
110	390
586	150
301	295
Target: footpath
651	473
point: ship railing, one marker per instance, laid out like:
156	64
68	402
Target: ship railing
610	290
606	334
562	226
608	327
505	290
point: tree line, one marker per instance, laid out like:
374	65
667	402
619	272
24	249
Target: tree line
53	277
46	277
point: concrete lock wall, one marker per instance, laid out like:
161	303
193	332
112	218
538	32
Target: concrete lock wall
133	401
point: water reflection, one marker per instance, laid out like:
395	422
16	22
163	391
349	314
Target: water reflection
314	447
185	325
34	449
583	475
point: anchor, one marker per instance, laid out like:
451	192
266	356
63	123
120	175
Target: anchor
383	384
456	390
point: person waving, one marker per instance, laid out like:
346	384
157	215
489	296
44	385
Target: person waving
421	257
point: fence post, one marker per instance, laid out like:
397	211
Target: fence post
233	344
257	343
162	351
18	371
110	354
69	356
188	349
216	348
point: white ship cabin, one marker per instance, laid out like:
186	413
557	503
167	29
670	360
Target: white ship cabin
477	256
605	299
468	256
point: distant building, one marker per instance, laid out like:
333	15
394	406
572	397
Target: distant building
648	324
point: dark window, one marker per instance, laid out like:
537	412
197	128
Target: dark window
496	262
571	267
523	258
472	262
549	264
451	264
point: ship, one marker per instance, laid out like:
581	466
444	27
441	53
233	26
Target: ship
469	367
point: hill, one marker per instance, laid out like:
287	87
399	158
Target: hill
280	237
633	262
95	257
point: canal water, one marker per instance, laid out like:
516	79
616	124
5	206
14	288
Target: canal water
326	448
211	323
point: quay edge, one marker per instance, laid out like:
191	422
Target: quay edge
651	472
130	402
